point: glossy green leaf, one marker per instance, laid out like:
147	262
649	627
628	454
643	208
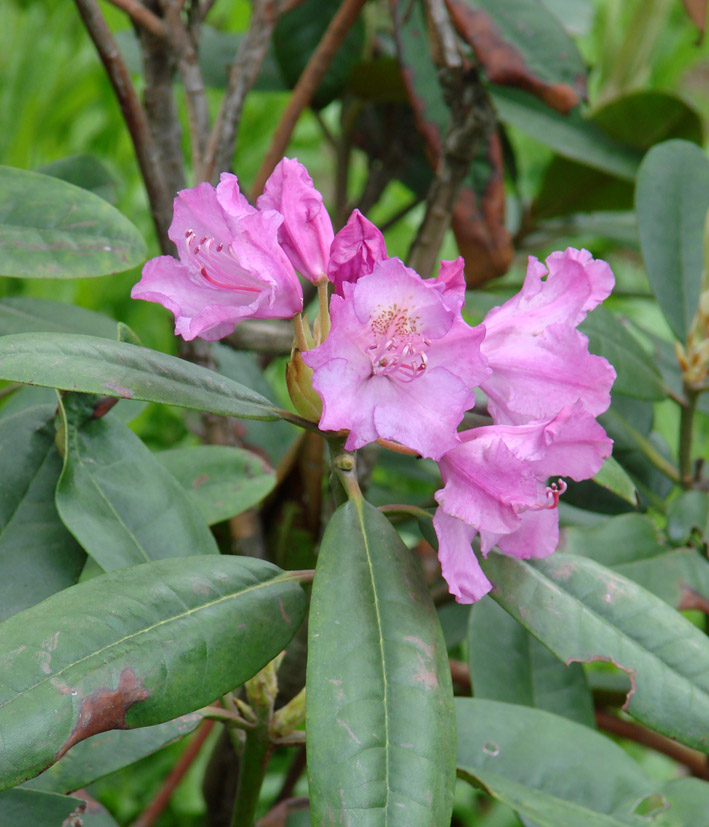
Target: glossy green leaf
552	770
51	229
119	502
381	740
615	479
21	808
85	171
136	647
630	545
107	752
38	556
638	375
220	480
688	800
640	120
92	365
671	201
22	314
572	136
608	617
528	674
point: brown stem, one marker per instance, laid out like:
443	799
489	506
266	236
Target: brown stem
307	84
243	74
472	120
695	761
161	800
461	675
274	337
141	16
134	116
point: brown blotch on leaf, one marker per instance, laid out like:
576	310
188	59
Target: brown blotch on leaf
103	406
106	709
503	64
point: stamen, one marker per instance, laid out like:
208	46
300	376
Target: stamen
554	491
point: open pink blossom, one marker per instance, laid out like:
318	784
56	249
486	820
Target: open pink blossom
306	232
539	361
399	362
230	266
356	248
495	485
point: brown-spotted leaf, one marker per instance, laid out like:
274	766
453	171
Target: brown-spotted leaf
520	43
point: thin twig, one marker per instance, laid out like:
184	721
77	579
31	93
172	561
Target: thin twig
274	337
141	16
305	88
242	76
134	116
161	800
695	761
460	674
472	121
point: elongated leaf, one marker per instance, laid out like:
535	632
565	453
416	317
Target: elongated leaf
85	171
107	752
134	648
688	513
570	135
638	375
220	480
92	365
689	803
528	674
22	314
608	617
38	556
520	43
671	201
630	545
20	808
118	501
380	719
616	480
51	229
550	769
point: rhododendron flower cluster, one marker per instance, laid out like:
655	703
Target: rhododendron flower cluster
393	359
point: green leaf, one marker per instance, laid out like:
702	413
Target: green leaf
22	314
572	136
135	648
689	803
51	229
85	171
640	120
107	752
552	770
381	740
528	674
638	376
608	617
21	808
91	365
38	556
296	36
613	477
686	514
671	201
118	501
220	480
630	545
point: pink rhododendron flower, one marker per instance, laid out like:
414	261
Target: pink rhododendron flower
306	232
357	247
495	485
399	363
539	361
230	265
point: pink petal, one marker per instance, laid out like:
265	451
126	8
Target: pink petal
536	536
459	565
356	248
306	233
451	283
598	272
230	197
